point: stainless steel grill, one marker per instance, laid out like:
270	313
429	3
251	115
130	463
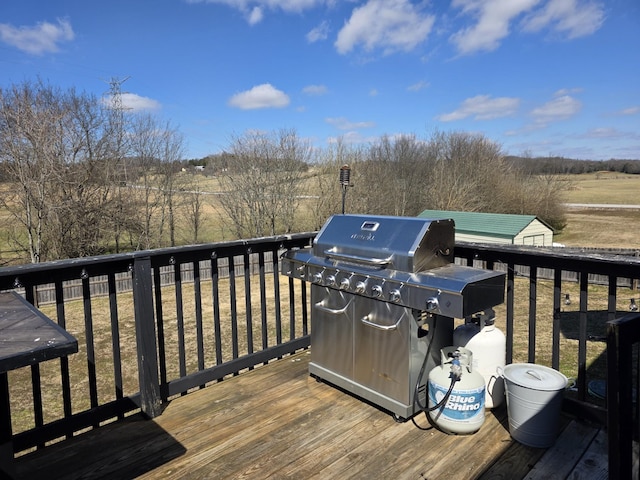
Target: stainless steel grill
384	293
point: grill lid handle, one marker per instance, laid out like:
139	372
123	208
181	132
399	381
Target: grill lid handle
376	262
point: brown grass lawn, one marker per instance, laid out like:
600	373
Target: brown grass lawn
595	228
80	364
50	371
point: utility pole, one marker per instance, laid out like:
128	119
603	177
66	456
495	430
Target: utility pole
118	123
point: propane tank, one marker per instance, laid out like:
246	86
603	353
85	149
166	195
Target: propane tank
463	410
488	344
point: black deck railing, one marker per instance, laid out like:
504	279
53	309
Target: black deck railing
623	335
228	309
137	346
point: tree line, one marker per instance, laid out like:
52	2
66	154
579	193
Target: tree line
564	166
67	162
82	175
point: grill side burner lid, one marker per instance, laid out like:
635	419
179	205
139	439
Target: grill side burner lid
397	243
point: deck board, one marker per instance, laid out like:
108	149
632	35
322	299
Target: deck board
278	422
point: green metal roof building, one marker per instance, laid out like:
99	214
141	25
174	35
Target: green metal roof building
496	227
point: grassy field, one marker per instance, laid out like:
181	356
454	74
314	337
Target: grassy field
599	227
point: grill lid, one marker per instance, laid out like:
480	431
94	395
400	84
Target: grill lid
397	243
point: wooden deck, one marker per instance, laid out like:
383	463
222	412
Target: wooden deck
278	422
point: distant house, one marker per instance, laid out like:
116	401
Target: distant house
496	227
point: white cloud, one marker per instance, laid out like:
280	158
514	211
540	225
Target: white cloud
389	25
260	96
315	90
416	87
254	9
573	18
630	111
44	37
493	19
560	108
483	107
342	123
604	132
321	32
255	16
134	102
352	138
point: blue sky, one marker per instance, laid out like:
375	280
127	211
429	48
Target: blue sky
539	77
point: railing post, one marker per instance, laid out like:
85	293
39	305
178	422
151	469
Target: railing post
621	334
150	399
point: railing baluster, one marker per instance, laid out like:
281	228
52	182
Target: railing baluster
89	340
247	300
215	292
115	339
511	273
533	284
177	282
305	320
582	336
162	349
292	309
197	292
263	302
557	298
234	306
64	361
277	299
36	385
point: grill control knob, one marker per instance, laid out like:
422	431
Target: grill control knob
344	284
317	278
331	280
376	291
360	287
432	304
394	296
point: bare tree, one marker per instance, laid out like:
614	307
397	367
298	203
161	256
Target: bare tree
324	187
194	207
390	181
262	183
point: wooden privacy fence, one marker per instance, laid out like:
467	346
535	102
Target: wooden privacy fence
99	286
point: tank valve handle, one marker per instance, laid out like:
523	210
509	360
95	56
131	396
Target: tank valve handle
456	369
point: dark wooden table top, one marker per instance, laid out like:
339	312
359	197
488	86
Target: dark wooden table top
27	336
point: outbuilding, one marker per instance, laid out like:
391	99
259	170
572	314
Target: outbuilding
480	227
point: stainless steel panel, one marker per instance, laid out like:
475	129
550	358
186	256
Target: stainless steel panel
332	330
382	348
452	290
391	345
397	243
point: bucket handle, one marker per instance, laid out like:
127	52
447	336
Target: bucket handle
534	374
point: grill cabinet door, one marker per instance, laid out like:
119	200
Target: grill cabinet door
332	330
381	352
